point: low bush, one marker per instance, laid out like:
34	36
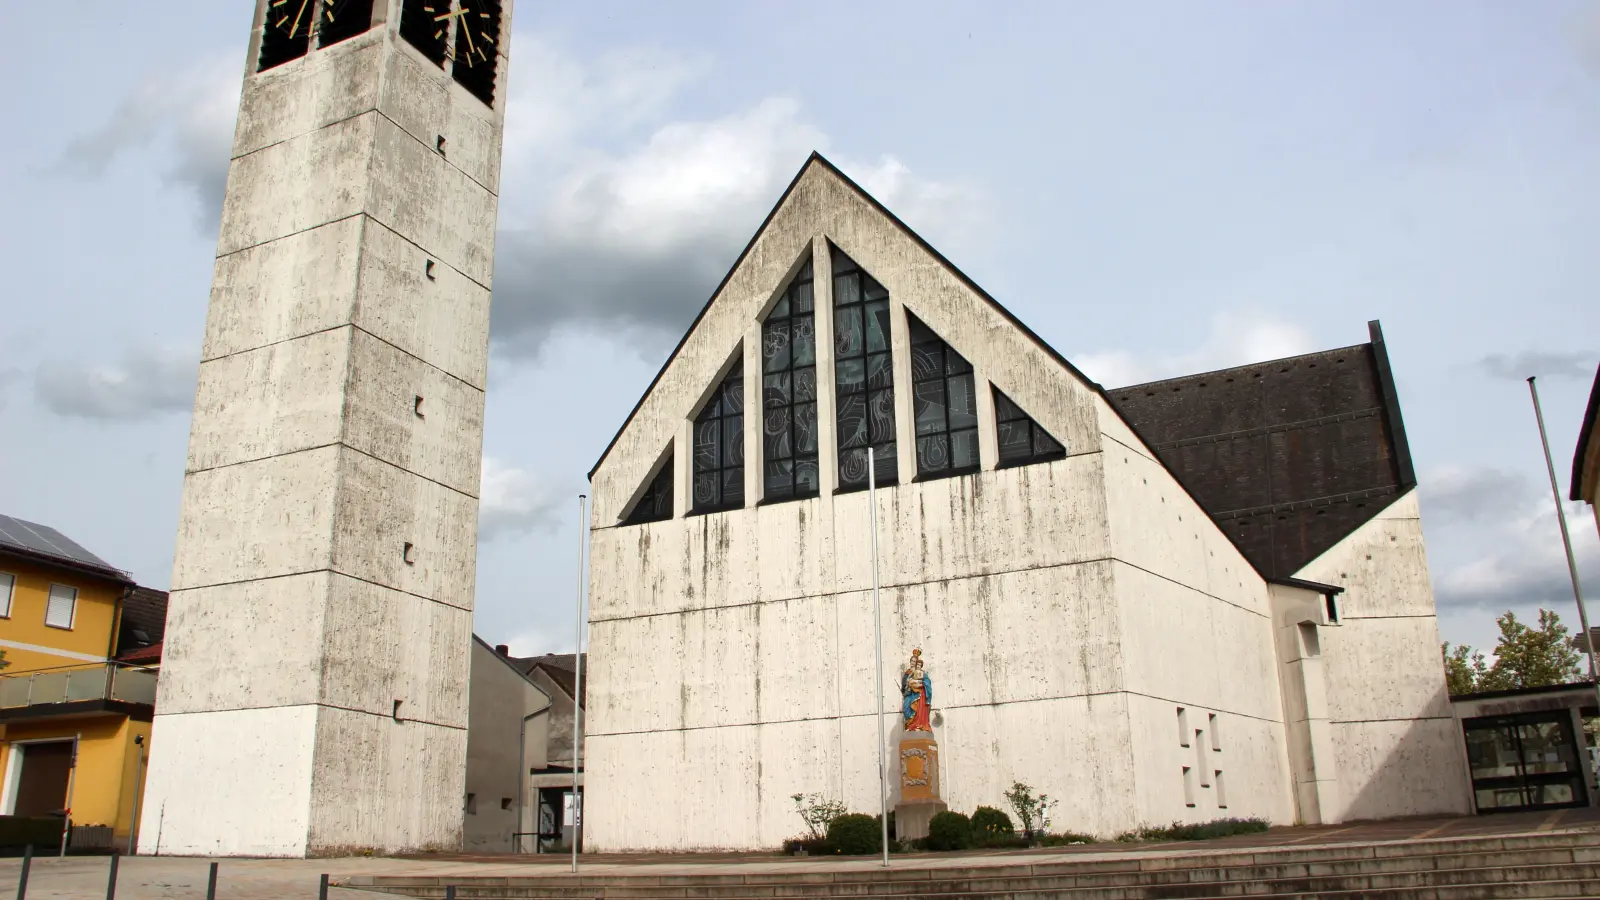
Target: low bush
855	834
949	831
1065	838
1195	831
810	846
991	825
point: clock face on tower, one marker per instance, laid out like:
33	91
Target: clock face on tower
464	32
287	26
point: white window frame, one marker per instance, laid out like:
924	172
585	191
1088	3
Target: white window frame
72	611
7	594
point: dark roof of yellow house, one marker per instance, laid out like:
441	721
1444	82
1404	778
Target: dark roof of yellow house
1589	419
43	544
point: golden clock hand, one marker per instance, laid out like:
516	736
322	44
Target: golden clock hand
459	12
296	27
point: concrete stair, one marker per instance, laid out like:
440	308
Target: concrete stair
1563	866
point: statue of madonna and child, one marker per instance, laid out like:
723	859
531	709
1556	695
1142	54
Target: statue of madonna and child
919	753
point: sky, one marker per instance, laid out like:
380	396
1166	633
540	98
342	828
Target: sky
1155	188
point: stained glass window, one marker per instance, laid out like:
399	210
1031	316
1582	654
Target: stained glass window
789	393
863	373
656	504
1021	439
945	404
719	446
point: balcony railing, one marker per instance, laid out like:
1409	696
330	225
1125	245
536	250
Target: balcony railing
70	684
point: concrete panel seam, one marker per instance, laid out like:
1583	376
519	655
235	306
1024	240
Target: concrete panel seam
274	239
232	353
256	459
242	462
1190	587
1399	719
391	465
432	254
1217	709
1135	450
430	148
387	587
313	130
402	350
1343	617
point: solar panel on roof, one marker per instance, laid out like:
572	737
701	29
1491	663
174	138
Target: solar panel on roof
35	538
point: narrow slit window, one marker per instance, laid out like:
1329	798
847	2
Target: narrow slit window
1188	786
863	374
285	32
945	405
1222	792
1216	736
719	445
342	20
8	584
476	54
1021	440
1183	727
424	26
789	393
1200	756
656	503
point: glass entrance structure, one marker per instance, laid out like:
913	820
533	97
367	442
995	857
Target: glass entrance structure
1527	761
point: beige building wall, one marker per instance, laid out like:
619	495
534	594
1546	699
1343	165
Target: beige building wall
505	717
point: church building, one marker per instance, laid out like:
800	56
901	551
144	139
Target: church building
1193	599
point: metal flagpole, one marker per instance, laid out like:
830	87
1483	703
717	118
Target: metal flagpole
877	635
1566	539
577	687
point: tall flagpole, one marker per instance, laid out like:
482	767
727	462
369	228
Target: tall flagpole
1566	539
877	635
577	689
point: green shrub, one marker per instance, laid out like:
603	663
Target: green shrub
1065	838
1195	831
988	822
855	834
949	831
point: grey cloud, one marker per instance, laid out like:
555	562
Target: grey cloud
1475	495
145	382
1520	366
512	501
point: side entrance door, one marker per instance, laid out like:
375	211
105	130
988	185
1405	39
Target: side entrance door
1526	761
42	789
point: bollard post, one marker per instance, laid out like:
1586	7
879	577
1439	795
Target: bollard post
322	890
211	884
22	883
111	880
449	892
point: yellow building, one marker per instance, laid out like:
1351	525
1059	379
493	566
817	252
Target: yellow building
74	717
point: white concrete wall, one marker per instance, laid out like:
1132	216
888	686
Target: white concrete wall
1397	748
326	549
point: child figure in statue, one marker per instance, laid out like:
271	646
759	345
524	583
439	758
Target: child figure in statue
917	690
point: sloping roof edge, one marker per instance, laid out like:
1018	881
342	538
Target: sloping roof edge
1391	408
819	159
510	664
1319	587
116	576
1575	489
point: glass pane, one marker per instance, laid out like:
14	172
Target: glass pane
846	290
871	289
807	476
707	489
927	361
805	429
928	400
134	686
780	309
1546	749
851	375
1044	444
963	402
804	273
920	333
805	384
853	466
955	363
964	449
887	464
878	326
933	453
847	332
880	371
853	423
802	296
706	444
1491	752
733	393
1015	440
733	487
775	431
1561	792
841	262
780	478
1493	798
880	406
777	389
775	346
733	441
1005	410
804	332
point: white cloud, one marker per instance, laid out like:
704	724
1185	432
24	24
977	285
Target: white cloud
512	501
1237	338
1520	366
147	381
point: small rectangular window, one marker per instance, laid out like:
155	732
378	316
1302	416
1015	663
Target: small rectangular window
1200	756
63	606
1222	793
1216	737
1331	603
1183	727
505	802
472	804
8	584
1188	786
1310	647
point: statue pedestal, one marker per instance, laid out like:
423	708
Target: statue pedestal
919	786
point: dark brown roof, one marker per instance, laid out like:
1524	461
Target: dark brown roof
560	668
1288	456
144	619
43	544
1589	417
142	656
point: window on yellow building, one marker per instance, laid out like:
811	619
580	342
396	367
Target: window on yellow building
8	583
63	606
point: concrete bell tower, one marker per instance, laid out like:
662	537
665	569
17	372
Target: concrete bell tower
313	695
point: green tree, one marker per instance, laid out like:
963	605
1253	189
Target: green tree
1524	657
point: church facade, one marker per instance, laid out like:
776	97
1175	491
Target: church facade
1184	601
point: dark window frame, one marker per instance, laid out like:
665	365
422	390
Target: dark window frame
344	20
782	409
723	414
949	369
857	295
478	76
656	503
420	29
1017	416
